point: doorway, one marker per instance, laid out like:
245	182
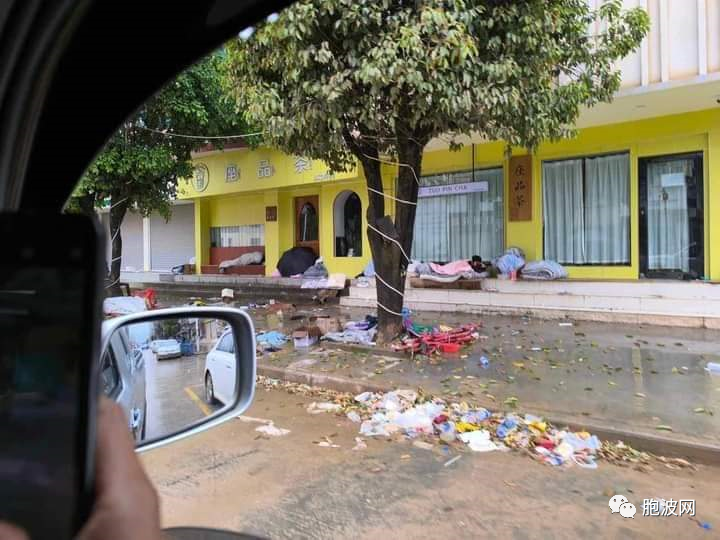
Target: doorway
307	223
672	217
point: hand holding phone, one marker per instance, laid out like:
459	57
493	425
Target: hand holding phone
50	270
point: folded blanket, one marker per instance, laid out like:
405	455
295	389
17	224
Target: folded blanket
544	270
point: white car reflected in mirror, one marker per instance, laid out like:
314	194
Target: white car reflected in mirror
220	372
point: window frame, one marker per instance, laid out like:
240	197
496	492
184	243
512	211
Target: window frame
585	157
229	338
473	171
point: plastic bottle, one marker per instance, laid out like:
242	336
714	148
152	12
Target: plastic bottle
447	431
484	362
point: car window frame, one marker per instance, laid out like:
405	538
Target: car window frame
222	346
115	391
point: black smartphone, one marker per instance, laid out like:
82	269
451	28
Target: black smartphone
50	315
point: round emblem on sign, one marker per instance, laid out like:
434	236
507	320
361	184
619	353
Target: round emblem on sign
201	177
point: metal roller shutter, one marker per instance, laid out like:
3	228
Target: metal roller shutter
172	243
132	243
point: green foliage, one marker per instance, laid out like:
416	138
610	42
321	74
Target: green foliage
384	70
142	167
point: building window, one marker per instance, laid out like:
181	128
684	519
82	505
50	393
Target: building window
586	210
347	218
459	215
237	236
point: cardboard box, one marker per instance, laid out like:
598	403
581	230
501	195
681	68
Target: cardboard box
306	336
327	324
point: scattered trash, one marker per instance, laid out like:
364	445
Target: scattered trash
326	324
306	336
360	444
328	444
423	445
317	408
451	461
411	414
272	431
447	431
565	324
713	367
484	362
272	340
478	441
227	295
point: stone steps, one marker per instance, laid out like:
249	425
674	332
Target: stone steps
667	303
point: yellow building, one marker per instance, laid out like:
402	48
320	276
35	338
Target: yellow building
619	201
634	195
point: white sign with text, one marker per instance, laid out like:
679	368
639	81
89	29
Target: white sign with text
453	189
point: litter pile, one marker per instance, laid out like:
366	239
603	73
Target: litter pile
428	340
407	413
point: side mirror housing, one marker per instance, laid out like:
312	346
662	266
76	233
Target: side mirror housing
179	371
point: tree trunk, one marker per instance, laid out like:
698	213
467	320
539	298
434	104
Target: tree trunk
390	243
117	214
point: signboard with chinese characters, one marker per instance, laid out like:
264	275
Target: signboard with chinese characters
271	213
231	173
201	177
265	170
302	164
520	188
453	189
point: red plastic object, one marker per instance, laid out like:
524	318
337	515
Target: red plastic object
449	347
149	296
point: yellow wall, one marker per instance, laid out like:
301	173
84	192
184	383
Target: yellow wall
236	210
699	131
654	137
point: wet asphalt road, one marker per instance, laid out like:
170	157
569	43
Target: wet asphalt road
175	393
289	487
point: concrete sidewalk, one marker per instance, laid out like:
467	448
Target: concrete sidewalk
647	381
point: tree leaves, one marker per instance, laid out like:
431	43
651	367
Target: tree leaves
442	66
143	166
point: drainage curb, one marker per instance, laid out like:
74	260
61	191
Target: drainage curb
696	452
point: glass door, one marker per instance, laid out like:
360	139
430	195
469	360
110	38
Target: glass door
671	217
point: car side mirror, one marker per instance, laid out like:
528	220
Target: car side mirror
178	371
